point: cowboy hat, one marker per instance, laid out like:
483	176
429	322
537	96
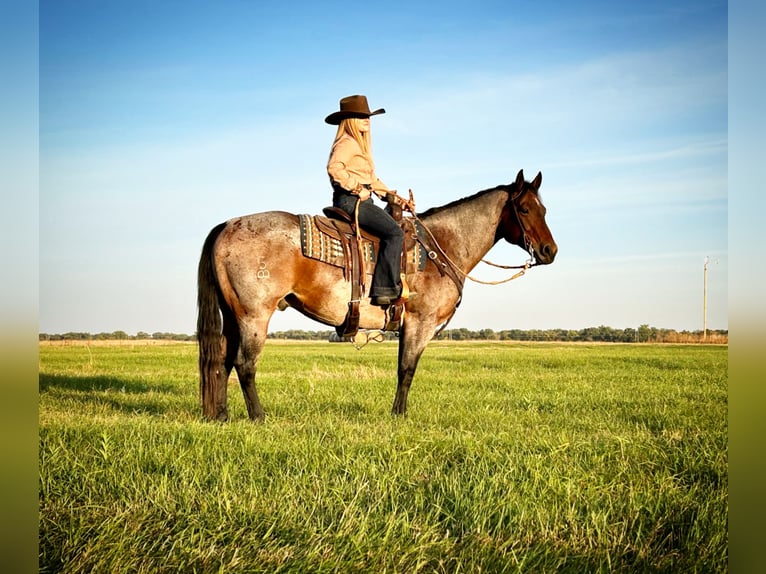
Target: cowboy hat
352	107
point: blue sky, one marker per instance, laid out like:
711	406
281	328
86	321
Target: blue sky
159	120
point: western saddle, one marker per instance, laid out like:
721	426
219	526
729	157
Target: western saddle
333	239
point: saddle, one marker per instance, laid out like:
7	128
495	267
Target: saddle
332	239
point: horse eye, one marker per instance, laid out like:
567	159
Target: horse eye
523	210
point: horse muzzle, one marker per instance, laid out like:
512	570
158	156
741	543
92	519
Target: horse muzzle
545	253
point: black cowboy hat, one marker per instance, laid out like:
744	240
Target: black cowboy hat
352	107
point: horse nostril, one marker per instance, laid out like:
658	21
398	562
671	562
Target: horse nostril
549	251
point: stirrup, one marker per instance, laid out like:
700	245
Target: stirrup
394	314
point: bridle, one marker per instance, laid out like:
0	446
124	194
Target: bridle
531	262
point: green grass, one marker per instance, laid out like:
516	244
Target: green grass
514	458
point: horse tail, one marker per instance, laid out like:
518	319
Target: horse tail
209	325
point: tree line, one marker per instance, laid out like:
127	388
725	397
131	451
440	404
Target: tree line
116	336
602	333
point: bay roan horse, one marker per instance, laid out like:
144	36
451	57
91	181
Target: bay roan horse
253	265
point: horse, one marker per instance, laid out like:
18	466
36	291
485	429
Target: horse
252	265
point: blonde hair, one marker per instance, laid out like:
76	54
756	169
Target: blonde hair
350	126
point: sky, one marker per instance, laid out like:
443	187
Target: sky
158	120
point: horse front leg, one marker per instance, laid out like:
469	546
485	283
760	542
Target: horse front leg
413	338
402	390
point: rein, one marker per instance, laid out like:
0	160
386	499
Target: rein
529	263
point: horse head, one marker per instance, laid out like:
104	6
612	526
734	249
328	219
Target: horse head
523	220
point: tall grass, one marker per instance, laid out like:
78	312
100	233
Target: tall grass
514	458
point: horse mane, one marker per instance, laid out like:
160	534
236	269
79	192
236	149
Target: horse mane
458	202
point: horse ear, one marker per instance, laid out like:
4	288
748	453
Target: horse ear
520	179
538	180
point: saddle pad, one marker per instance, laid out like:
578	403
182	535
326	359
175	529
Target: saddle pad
317	244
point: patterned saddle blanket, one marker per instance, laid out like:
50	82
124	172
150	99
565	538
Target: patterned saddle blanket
327	240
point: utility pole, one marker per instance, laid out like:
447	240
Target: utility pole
704	297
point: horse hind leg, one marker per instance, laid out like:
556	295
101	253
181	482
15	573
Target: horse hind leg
252	340
231	343
217	370
214	377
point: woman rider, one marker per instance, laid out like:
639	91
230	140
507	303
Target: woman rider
353	179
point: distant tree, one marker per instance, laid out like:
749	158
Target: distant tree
76	336
460	334
487	334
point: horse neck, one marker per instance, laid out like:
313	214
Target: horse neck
467	229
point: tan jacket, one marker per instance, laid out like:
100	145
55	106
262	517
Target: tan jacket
348	168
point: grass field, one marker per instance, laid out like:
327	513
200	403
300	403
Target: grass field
514	458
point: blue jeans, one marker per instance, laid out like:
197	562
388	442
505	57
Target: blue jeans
385	280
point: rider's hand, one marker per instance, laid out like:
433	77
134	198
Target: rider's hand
362	192
403	203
